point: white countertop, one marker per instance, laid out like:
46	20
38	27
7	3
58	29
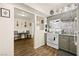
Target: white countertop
68	34
64	34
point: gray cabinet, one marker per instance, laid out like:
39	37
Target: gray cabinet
67	43
72	48
61	44
64	42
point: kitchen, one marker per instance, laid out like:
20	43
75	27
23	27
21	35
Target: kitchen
62	30
52	31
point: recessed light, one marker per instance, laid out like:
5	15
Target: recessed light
22	15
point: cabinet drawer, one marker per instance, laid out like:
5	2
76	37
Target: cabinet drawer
52	45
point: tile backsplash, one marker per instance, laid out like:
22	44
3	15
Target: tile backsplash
68	28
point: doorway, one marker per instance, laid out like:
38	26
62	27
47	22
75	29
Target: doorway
23	32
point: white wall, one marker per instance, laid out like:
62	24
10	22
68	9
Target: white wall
6	32
27	9
21	23
31	10
7	28
39	39
21	28
38	34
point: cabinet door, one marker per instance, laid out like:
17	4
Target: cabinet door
72	45
61	40
66	38
64	43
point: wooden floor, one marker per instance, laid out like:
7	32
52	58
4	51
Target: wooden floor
25	48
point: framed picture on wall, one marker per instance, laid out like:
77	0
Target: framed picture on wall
42	25
42	21
17	24
25	24
46	26
30	24
5	13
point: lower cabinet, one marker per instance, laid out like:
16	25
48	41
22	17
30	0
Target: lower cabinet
72	48
67	43
64	43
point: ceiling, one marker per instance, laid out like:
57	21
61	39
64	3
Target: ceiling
22	14
46	7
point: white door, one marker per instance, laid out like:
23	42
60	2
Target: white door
39	34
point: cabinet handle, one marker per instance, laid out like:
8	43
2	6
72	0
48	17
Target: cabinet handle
54	39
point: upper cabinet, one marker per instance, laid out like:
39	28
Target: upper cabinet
65	12
64	15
